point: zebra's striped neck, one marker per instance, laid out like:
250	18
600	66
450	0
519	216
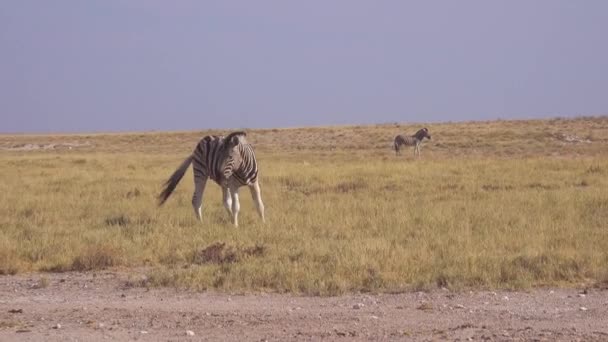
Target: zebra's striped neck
419	135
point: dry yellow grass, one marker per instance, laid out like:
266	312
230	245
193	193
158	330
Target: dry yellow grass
505	204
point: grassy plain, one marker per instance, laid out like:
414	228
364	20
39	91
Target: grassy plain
501	204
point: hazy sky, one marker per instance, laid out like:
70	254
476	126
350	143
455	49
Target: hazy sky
69	66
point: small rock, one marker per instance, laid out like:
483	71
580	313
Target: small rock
101	325
374	317
505	298
57	326
425	306
358	306
582	295
551	292
189	332
583	308
143	332
339	333
459	306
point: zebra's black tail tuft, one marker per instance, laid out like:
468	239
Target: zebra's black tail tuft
172	182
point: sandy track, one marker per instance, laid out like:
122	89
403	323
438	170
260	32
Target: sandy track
100	306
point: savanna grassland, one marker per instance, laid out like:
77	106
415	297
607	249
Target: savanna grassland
501	204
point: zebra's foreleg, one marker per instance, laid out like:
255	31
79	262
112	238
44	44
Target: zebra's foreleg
234	192
197	197
257	199
227	200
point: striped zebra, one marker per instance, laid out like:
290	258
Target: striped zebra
230	162
413	140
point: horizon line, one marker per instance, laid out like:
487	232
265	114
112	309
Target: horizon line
156	131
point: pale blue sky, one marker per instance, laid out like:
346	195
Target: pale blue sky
109	65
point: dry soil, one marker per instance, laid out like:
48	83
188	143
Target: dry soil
106	305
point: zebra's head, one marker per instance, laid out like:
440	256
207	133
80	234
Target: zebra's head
423	133
230	158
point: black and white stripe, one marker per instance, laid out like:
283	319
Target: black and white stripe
413	140
230	162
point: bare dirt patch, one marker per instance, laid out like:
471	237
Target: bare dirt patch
53	146
103	305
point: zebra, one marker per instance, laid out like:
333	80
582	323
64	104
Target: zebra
413	140
230	162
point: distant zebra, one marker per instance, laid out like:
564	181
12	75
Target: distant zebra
413	140
230	162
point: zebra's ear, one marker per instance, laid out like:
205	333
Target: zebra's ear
234	138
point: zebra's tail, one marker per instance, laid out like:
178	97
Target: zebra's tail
172	182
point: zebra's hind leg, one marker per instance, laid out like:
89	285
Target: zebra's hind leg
227	200
197	197
257	198
236	206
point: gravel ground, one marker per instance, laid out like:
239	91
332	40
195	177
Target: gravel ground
103	306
